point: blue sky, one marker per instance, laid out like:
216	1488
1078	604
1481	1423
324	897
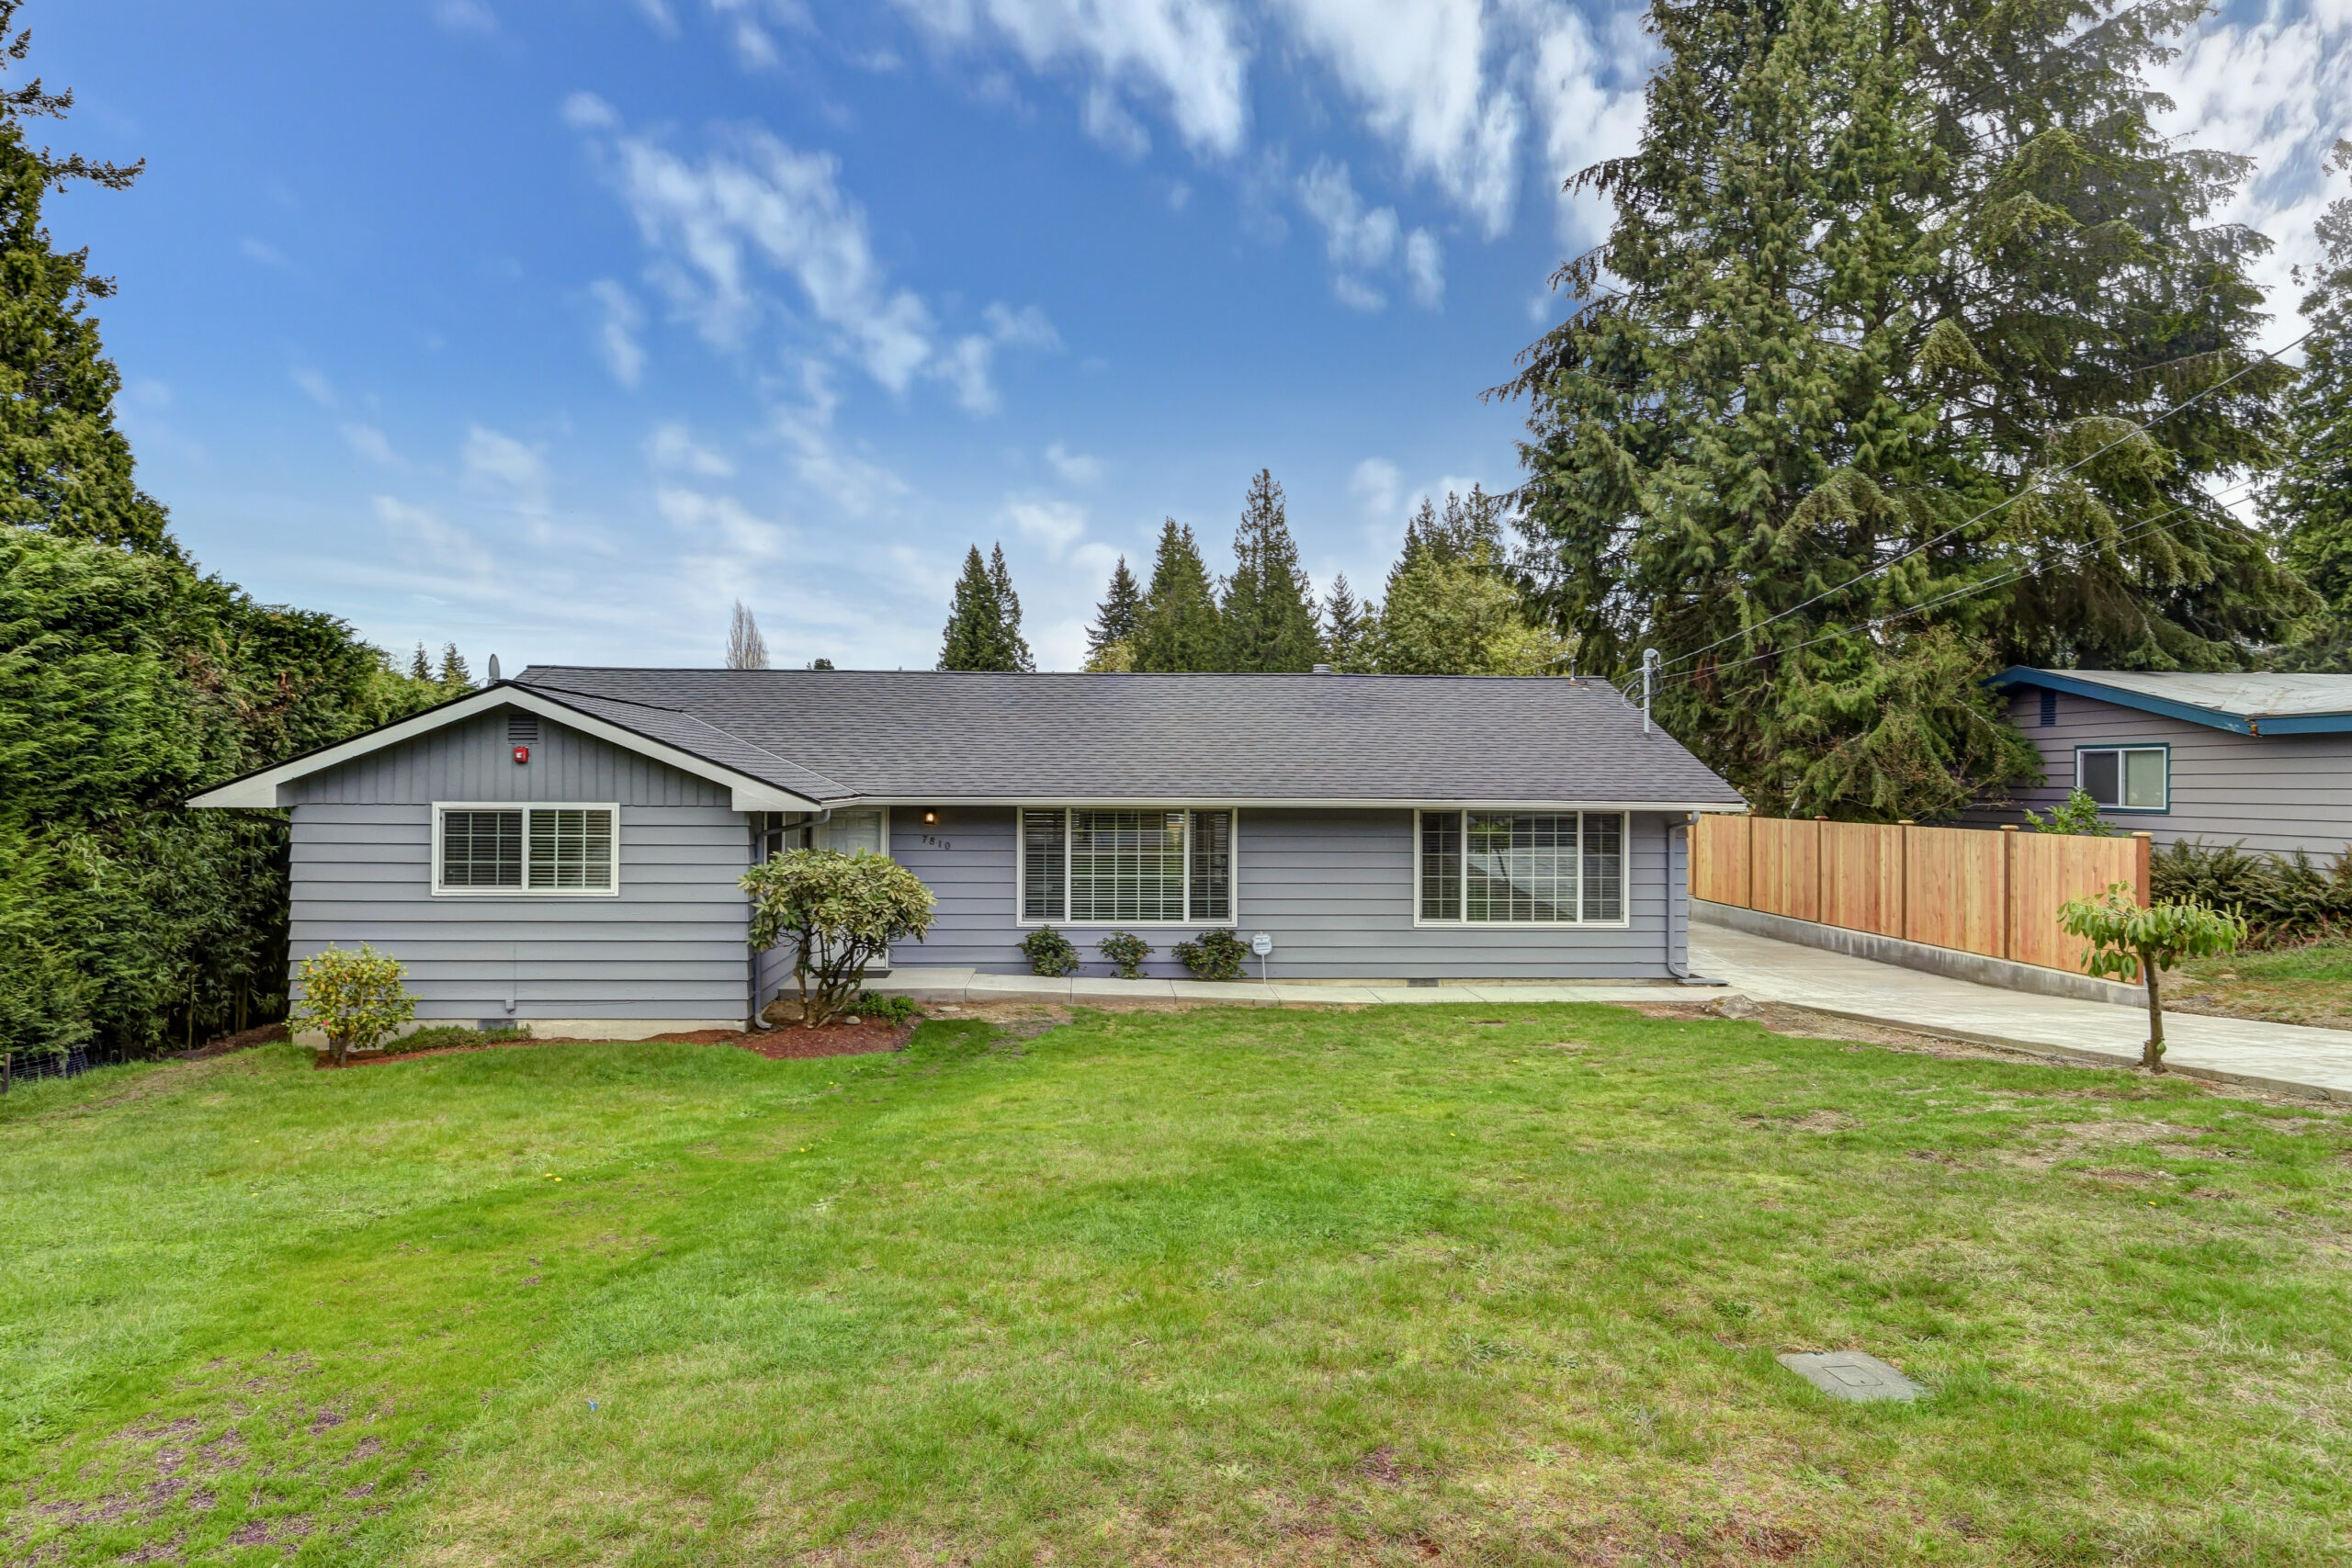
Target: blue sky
552	329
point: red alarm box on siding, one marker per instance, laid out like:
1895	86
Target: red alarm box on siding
522	754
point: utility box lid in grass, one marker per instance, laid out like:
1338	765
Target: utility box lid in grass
1850	1374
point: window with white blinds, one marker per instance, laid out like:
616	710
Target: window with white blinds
524	849
1520	867
1128	866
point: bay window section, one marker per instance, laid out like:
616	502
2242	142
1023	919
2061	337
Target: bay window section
1127	865
1521	867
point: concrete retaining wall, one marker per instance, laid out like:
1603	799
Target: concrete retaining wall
1948	962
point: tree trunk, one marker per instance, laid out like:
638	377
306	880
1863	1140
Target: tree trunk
336	1047
2153	1056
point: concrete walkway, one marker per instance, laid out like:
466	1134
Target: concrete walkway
2277	1055
2280	1057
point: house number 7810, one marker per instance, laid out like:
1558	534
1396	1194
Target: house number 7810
936	843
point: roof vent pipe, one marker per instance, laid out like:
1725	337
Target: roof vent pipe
1322	670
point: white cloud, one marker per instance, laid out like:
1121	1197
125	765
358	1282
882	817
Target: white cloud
617	327
586	111
964	366
724	521
1418	68
465	16
755	48
1361	240
1590	101
1376	483
658	17
2273	82
672	446
1075	467
1107	120
501	466
425	541
1186	52
315	386
1425	268
261	251
1056	525
858	486
371	444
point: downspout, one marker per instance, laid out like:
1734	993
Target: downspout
1678	849
751	956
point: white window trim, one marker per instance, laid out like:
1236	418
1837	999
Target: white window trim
1624	920
1232	872
2163	748
441	808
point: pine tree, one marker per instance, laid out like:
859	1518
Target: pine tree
1014	645
746	650
418	668
1179	630
2310	501
1109	640
1876	271
454	678
1347	623
1269	608
68	468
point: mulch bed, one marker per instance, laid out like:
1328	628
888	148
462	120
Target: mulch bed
787	1044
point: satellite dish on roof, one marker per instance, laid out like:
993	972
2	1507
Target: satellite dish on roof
493	669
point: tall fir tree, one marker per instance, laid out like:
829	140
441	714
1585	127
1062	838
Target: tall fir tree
1110	639
454	677
1179	630
419	667
1348	621
2309	503
1876	271
1009	638
1269	607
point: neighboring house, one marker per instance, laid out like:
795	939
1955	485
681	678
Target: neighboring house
563	848
2265	760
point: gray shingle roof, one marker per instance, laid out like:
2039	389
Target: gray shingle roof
911	735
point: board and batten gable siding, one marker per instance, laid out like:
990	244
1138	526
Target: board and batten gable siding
667	946
1333	887
2278	793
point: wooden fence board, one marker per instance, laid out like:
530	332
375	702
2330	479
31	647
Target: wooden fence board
2046	870
1957	892
1719	858
1785	867
1861	876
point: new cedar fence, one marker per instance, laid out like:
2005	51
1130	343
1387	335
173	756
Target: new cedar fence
1997	894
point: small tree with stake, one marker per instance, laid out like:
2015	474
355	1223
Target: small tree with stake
2123	936
355	999
840	912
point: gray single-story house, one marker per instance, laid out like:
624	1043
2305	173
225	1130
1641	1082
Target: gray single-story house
2259	759
563	849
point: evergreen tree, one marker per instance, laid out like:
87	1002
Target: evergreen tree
1269	608
68	470
1348	624
1876	272
1009	638
2311	503
418	669
454	678
1109	640
1451	610
1179	630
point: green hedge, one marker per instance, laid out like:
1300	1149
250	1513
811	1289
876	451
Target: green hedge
2285	898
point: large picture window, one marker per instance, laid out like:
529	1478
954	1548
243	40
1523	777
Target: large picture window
1523	867
2125	778
523	848
1128	866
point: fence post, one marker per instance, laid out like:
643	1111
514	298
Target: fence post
1903	877
1820	870
2008	882
2140	875
1749	838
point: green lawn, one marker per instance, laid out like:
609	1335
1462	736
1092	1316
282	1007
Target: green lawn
2291	984
1264	1286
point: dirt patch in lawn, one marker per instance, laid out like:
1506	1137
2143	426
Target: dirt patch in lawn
863	1038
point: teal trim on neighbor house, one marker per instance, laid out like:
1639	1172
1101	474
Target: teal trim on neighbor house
2087	684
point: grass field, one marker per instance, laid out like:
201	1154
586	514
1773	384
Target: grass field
1460	1284
2308	984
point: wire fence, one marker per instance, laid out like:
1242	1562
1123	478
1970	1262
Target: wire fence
24	1066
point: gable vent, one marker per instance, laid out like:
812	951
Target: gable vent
2049	709
522	729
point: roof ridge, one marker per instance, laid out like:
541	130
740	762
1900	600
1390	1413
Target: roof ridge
741	740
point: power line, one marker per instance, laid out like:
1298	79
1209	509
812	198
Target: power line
2038	476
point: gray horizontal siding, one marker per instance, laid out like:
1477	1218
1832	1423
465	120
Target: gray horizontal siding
1334	888
2278	793
473	761
669	944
